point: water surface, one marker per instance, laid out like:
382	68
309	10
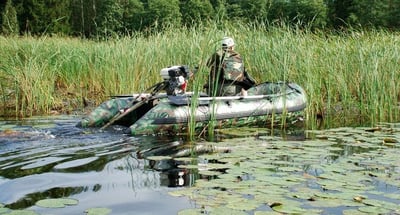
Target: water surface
50	158
347	170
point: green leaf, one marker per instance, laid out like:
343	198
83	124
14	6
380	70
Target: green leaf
98	211
56	203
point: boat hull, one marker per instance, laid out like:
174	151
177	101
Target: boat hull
268	104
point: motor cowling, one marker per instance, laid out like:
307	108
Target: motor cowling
177	77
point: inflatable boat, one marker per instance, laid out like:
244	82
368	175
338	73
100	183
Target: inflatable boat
177	111
267	104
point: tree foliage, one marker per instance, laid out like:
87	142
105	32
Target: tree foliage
9	20
132	15
103	18
162	13
195	11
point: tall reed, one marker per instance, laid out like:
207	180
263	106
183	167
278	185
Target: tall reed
349	77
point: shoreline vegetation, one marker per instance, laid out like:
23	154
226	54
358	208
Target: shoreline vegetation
351	78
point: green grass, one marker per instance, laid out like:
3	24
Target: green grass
350	78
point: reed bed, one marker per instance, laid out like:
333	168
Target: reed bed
350	78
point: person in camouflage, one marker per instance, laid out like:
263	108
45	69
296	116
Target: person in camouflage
227	74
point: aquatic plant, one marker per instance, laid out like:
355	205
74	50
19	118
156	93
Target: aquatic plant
350	170
351	78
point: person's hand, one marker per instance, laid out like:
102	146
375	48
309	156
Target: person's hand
243	92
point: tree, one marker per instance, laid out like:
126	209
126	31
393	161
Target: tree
132	15
196	11
108	18
43	16
220	10
9	25
82	17
339	12
31	16
96	18
278	10
393	16
254	9
307	13
369	13
162	13
233	9
57	17
312	13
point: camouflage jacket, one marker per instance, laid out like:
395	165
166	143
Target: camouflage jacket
226	66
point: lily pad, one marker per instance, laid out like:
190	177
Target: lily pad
98	211
209	173
244	205
341	170
225	210
266	213
189	166
192	211
185	159
3	210
373	210
289	209
182	192
56	203
158	158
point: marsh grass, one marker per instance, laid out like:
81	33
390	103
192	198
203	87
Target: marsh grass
350	78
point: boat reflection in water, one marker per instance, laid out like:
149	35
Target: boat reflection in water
51	158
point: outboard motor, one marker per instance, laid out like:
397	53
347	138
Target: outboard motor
177	77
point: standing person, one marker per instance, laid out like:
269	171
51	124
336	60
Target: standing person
227	74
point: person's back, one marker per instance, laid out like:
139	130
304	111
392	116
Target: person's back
227	71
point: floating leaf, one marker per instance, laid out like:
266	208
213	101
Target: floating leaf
185	159
353	212
193	211
158	158
289	209
266	213
189	166
56	203
390	140
3	210
393	196
182	192
209	173
373	210
98	211
225	210
326	203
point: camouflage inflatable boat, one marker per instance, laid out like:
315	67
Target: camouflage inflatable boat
267	104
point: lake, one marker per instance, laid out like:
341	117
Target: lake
49	166
51	158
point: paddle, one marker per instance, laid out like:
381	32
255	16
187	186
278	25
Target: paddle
156	88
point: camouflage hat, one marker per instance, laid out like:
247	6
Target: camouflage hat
227	42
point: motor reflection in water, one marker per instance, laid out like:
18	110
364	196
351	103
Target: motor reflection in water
170	173
51	158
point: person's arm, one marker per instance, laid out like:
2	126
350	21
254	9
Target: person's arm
213	63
